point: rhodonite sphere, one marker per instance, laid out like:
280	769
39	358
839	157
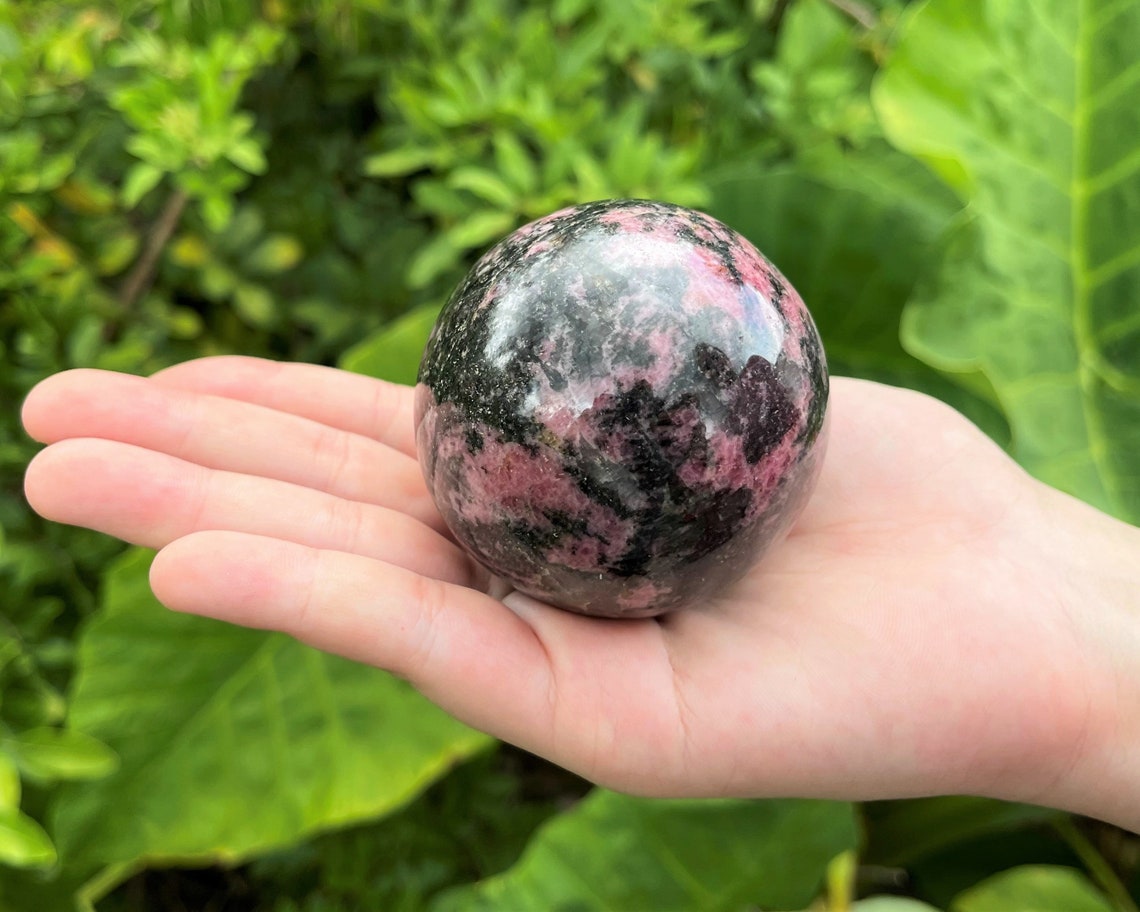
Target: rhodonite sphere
621	407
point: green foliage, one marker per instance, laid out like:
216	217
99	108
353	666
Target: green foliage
953	186
320	741
1042	889
1032	120
698	855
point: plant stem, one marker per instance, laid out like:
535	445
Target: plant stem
860	12
142	273
1101	871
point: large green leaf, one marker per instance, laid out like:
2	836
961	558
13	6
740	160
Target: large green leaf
394	352
1030	111
616	852
854	237
231	740
1035	888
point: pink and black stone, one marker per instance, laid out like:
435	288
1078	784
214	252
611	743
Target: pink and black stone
621	408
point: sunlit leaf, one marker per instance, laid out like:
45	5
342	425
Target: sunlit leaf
616	852
1036	888
394	352
277	253
141	179
1031	112
398	162
23	842
48	754
484	184
233	741
481	228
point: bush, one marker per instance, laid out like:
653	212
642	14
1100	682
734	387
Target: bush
306	179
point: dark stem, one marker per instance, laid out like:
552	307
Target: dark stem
139	279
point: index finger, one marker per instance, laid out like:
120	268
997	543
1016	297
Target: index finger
351	402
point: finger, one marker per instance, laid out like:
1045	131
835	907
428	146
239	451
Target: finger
583	692
463	649
227	434
337	398
151	499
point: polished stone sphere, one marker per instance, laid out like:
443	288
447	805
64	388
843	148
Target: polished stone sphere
621	407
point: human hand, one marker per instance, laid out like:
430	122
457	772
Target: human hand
908	637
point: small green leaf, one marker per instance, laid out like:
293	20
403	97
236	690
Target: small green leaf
485	184
399	162
276	254
254	304
480	229
248	156
50	754
432	260
217	210
1033	888
515	162
394	353
23	842
141	179
116	252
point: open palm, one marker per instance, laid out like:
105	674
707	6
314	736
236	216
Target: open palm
903	640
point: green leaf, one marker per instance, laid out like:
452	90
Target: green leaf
854	239
394	352
116	252
1034	888
1031	113
277	253
616	852
217	210
901	831
234	741
23	842
254	304
480	229
514	162
9	782
891	904
141	179
49	754
432	260
484	184
248	156
401	161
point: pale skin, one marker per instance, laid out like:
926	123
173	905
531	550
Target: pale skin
936	622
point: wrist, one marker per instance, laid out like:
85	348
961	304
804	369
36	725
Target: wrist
1093	564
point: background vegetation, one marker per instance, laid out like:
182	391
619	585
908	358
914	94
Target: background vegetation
953	185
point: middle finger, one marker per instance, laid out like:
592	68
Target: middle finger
230	435
151	499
